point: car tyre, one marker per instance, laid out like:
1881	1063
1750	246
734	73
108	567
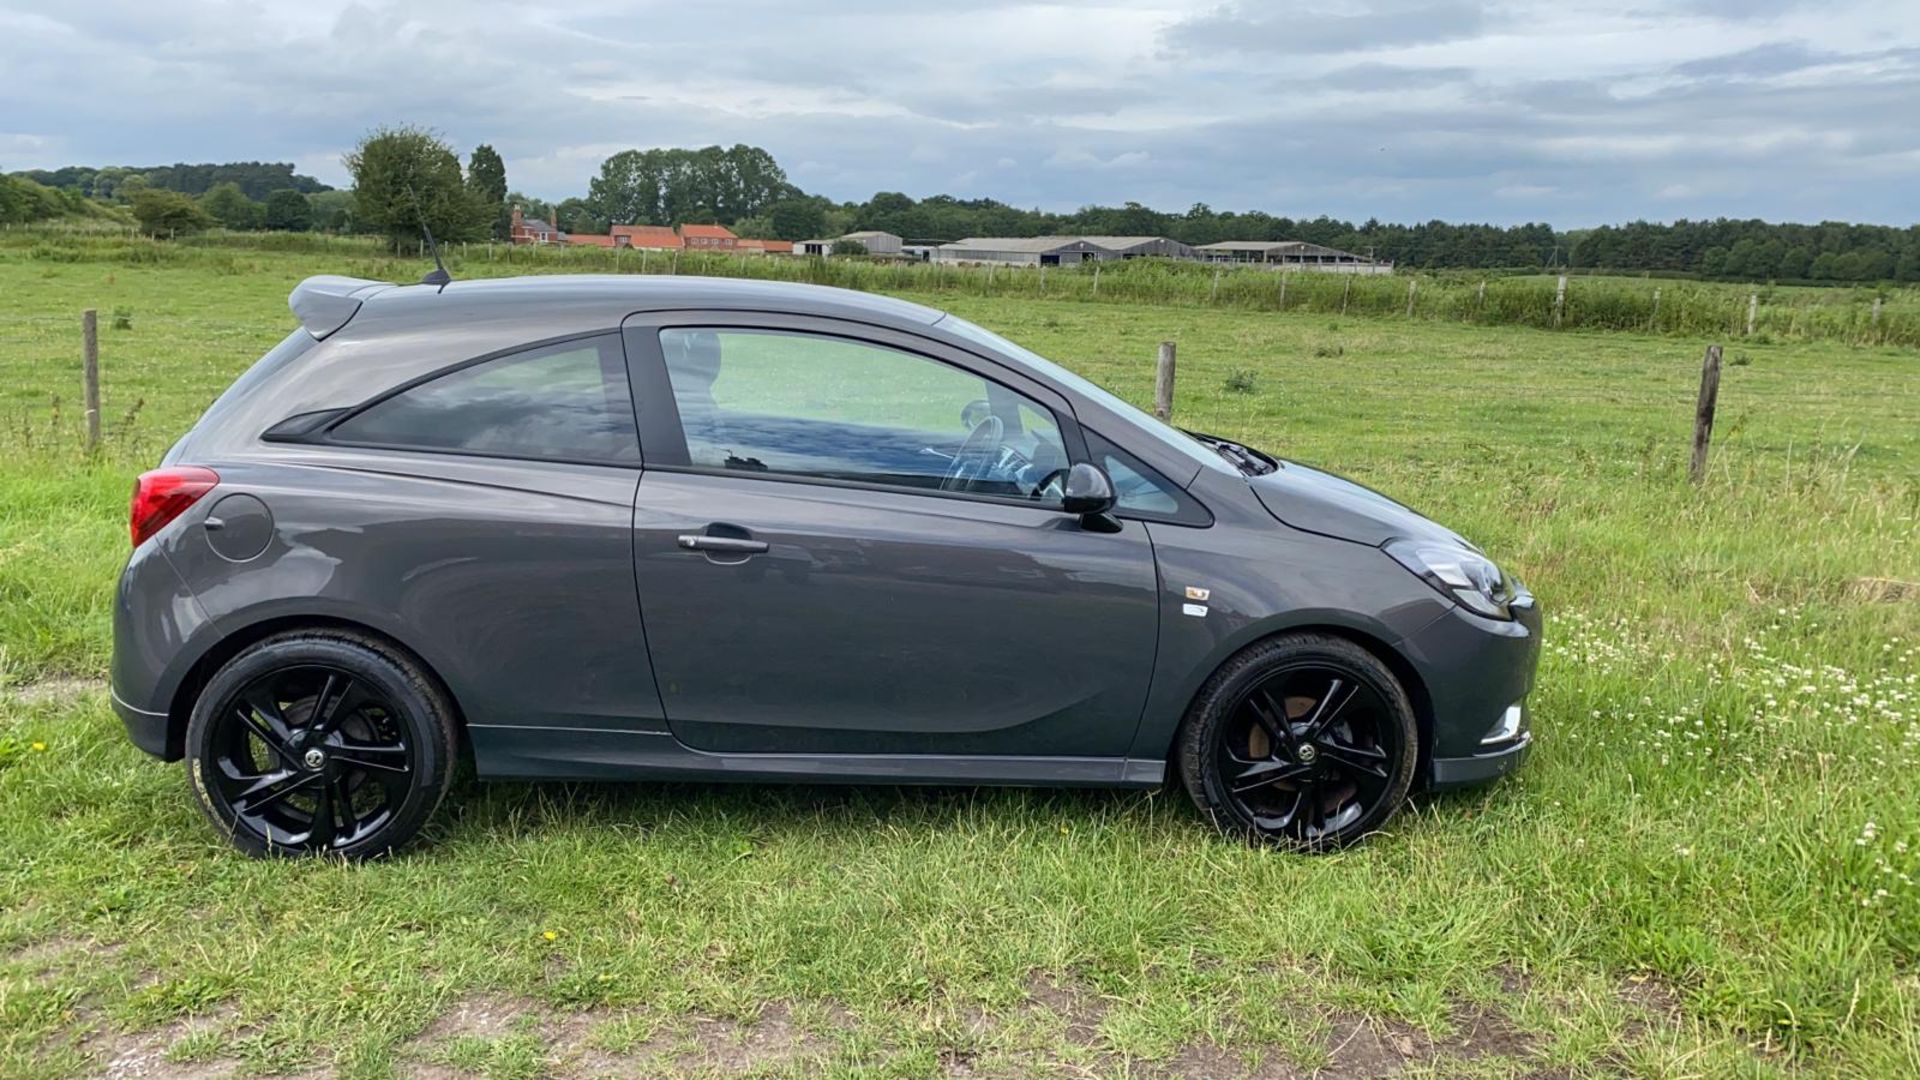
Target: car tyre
320	742
1305	741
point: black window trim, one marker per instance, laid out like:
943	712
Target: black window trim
1189	512
660	415
325	433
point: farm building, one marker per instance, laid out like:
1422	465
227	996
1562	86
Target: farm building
876	243
646	237
1291	255
709	237
1139	247
764	247
1021	250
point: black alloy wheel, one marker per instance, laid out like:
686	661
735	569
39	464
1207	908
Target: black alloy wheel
1305	741
320	743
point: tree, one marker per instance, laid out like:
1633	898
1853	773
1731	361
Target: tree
229	206
168	213
487	180
671	186
577	215
288	209
332	211
798	219
534	209
406	176
22	200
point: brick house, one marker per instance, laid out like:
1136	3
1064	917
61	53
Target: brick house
526	230
709	238
647	237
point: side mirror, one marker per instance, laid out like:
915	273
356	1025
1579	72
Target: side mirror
1087	491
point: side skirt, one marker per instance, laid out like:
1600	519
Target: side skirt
529	753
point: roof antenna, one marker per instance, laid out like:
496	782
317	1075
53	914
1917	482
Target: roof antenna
437	276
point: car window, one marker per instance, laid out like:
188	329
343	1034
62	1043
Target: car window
831	408
1137	488
1144	424
564	401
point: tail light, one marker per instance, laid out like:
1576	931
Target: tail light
164	494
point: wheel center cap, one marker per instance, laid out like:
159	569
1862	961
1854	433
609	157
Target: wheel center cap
314	758
1308	753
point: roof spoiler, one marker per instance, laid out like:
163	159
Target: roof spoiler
325	302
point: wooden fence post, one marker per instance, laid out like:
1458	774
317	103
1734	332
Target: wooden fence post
1096	281
1215	293
1560	302
1345	293
1480	296
1412	283
1874	320
1753	311
1653	319
1703	413
1283	290
90	374
1163	383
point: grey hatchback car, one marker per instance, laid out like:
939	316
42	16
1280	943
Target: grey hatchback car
627	528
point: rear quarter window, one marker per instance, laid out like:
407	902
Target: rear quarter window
564	401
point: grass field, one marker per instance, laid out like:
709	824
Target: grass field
1879	314
1707	869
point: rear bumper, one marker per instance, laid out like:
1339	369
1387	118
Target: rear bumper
148	730
155	616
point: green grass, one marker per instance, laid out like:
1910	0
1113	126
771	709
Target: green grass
1707	868
1675	308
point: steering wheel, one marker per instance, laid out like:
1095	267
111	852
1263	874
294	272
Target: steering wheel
976	455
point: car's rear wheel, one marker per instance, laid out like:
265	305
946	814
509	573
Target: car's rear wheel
320	742
1306	741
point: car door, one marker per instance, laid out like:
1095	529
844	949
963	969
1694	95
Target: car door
848	540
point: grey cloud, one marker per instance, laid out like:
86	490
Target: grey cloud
1759	123
1244	28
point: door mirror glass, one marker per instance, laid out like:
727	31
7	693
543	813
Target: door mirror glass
1088	490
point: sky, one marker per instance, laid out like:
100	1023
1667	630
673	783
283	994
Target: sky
1573	112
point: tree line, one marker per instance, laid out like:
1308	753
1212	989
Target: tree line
406	176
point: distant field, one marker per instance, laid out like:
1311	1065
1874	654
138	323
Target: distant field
1708	868
1592	302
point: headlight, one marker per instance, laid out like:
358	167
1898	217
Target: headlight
1472	580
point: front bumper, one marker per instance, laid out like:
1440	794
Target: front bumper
1483	768
1474	671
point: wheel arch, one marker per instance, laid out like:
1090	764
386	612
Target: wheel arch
1374	643
187	693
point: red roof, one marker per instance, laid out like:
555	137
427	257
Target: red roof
778	247
649	236
710	232
590	241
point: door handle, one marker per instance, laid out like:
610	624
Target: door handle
731	545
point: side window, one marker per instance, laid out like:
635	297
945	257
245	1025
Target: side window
1137	488
808	405
566	401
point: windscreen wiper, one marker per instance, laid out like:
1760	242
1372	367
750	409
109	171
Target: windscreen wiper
1245	458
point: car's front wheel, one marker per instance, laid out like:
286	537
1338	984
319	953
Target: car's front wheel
320	742
1306	741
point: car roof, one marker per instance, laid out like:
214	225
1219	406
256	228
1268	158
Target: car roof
622	294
